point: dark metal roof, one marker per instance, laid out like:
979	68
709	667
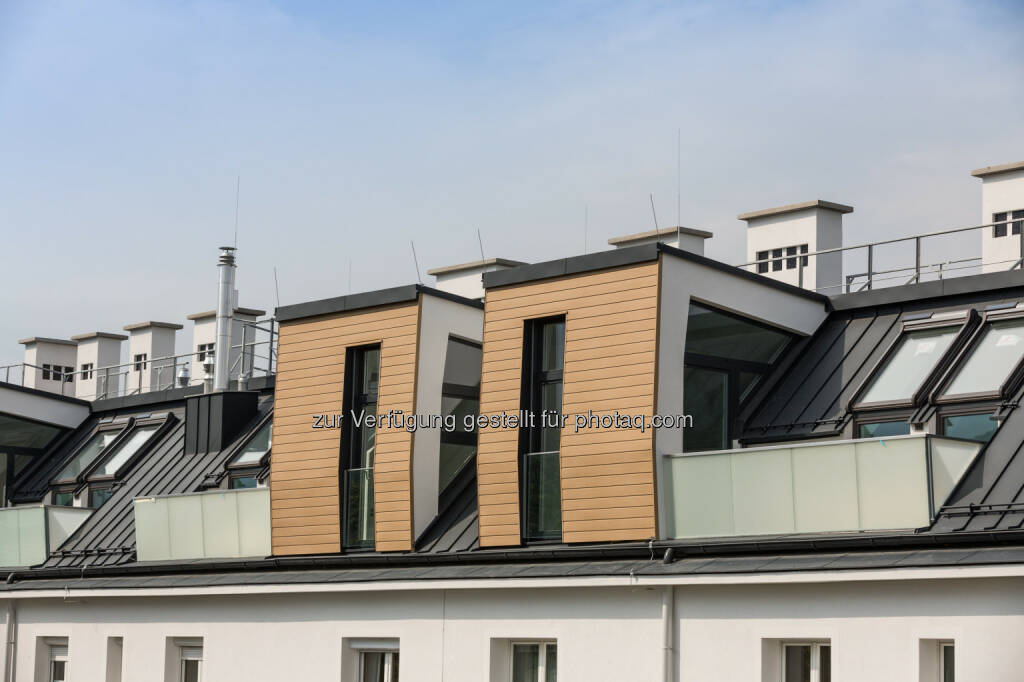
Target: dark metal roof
812	389
368	299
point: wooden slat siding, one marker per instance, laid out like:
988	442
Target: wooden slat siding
305	507
610	349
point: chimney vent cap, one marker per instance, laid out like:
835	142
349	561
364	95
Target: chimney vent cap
995	170
792	208
663	232
98	335
151	323
42	339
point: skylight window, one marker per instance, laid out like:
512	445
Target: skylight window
996	354
125	452
909	365
87	455
253	452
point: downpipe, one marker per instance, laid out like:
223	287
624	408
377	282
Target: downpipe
10	639
668	617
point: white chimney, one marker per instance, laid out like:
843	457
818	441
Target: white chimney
466	279
776	238
225	305
683	238
49	364
204	337
95	351
149	345
1002	199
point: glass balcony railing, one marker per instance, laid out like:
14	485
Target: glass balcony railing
543	498
359	508
29	534
853	485
206	525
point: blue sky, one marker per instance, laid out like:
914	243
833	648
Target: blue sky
357	127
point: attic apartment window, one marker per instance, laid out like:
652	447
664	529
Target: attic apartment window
776	261
980	427
244	468
87	370
362	382
1015	227
994	357
909	363
726	358
806	663
140	361
191	664
86	455
534	662
58	663
543	360
460	396
897	427
202	350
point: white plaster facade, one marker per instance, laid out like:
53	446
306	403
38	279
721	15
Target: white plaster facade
155	341
95	351
56	353
1002	191
879	624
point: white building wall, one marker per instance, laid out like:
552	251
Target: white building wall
41	353
100	352
1000	192
721	632
819	228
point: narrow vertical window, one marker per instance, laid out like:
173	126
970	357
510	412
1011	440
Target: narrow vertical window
460	398
191	664
534	662
999	230
544	352
362	381
378	666
58	664
947	661
806	663
46	372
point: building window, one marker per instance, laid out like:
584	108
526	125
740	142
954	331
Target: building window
362	382
191	664
726	358
378	666
979	427
947	662
762	261
58	664
46	372
806	663
778	259
99	495
460	397
86	455
140	361
543	360
1003	217
992	360
87	370
896	427
69	374
202	350
243	481
534	662
64	498
912	360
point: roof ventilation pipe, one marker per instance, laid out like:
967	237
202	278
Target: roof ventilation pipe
225	291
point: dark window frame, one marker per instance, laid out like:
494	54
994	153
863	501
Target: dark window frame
121	427
908	326
88	477
1014	379
141	361
244	472
64	489
859	420
533	381
459	437
351	435
989	408
95	488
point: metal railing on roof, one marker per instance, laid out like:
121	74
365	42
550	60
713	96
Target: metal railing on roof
128	378
870	278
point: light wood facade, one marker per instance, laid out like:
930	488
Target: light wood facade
607	475
304	476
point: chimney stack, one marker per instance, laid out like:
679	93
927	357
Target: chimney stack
225	304
466	279
777	238
1002	201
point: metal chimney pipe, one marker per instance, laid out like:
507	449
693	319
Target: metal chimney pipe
225	288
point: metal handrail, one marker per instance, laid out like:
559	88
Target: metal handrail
918	268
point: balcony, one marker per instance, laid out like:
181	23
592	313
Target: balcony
214	524
29	534
851	485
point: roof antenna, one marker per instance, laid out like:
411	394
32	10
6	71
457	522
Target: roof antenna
679	176
654	213
238	189
277	291
586	224
416	261
350	275
480	241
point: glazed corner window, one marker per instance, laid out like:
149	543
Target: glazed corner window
460	397
908	365
806	663
979	427
994	357
543	360
534	662
726	358
378	666
191	668
897	427
362	380
58	663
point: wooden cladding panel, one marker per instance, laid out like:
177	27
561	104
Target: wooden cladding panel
305	507
610	344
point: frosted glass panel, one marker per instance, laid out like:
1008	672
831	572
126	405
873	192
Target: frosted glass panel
908	366
950	459
702	494
762	492
27	537
993	358
825	486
